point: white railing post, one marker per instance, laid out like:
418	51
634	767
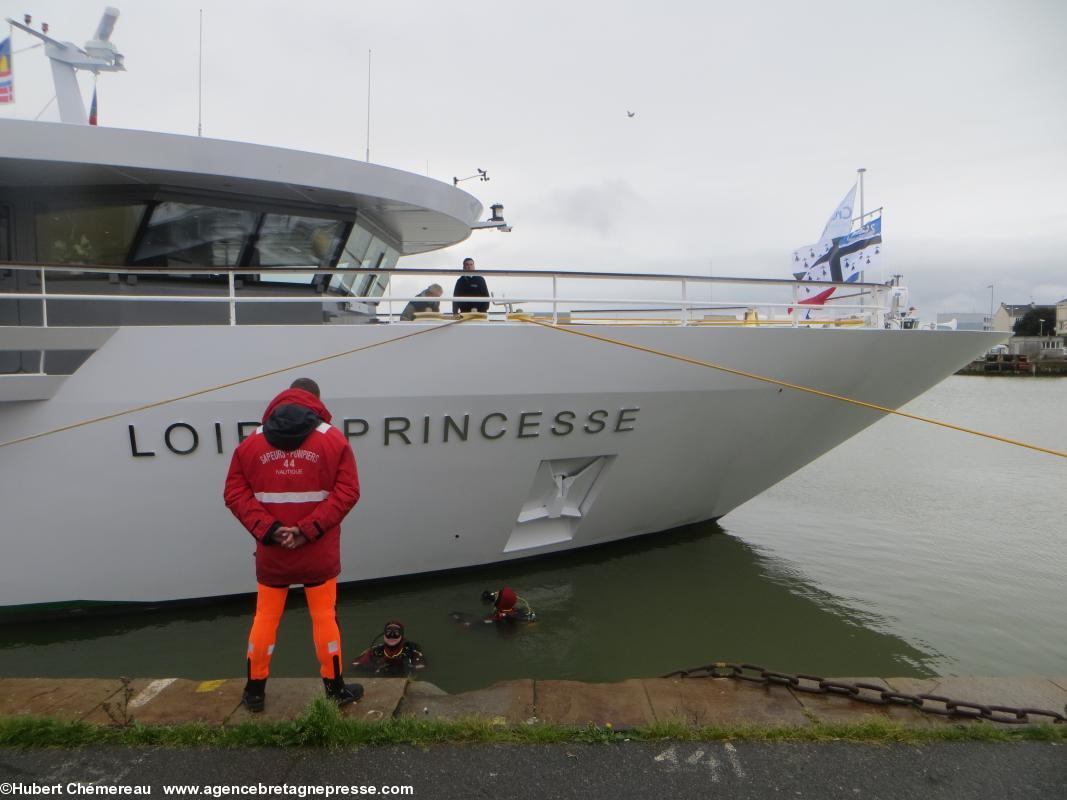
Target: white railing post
44	301
555	299
44	319
233	300
795	311
685	307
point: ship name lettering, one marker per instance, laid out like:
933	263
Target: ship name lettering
182	438
194	441
243	431
503	427
525	423
450	424
596	421
569	423
349	433
494	425
401	432
133	445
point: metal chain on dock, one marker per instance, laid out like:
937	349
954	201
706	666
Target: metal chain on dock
871	693
786	385
221	386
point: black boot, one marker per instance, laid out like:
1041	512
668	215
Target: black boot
255	695
342	693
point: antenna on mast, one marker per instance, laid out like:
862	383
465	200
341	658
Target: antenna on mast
200	80
368	106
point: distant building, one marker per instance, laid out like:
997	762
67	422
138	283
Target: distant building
1006	317
965	321
1033	346
1061	317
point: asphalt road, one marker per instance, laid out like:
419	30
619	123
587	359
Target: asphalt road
1031	770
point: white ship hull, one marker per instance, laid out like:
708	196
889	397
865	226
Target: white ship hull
98	519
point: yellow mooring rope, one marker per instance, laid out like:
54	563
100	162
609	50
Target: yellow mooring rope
605	339
210	389
796	387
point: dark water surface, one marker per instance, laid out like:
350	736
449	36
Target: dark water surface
908	550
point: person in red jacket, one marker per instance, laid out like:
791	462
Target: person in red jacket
290	484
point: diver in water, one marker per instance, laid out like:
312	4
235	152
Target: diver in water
394	658
508	606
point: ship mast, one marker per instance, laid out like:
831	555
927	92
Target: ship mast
98	55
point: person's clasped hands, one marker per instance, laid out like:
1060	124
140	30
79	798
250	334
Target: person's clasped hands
289	537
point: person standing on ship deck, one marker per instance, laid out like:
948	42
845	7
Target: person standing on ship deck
290	484
469	286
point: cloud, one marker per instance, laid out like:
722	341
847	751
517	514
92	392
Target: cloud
962	303
1048	293
604	208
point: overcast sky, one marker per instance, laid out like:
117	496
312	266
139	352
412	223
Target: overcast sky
751	119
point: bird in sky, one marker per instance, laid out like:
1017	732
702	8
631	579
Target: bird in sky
631	114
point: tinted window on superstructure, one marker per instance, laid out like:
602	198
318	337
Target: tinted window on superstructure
285	240
184	234
87	234
364	251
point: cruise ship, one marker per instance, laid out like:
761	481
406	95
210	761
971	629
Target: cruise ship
157	290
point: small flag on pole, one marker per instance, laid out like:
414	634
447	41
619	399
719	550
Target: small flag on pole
7	81
841	221
841	255
842	260
92	109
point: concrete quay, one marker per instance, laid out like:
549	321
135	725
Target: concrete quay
638	702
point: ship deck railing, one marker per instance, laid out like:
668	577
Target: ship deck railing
562	297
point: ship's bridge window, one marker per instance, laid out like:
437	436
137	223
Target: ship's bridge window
184	234
87	235
364	251
352	255
285	240
379	256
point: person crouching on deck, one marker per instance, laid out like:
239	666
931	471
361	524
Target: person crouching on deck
290	484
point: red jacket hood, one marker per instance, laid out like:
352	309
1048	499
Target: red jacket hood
300	398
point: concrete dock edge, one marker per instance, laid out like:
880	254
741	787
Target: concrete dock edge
638	702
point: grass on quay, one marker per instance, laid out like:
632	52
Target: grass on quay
323	726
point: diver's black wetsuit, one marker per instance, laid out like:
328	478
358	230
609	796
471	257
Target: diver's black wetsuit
376	661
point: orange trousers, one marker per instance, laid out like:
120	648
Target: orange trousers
270	603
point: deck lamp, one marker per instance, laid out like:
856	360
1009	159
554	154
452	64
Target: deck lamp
496	220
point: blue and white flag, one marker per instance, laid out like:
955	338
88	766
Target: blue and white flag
844	259
840	260
841	255
859	251
841	222
804	258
